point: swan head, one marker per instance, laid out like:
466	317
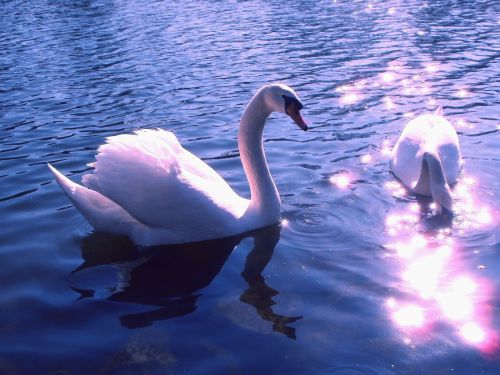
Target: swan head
283	99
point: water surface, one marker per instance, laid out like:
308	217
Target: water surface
358	279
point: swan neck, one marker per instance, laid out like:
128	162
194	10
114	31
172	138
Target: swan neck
264	195
436	173
440	191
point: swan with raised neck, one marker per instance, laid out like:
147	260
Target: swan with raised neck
148	187
264	196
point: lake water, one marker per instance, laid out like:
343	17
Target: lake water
358	279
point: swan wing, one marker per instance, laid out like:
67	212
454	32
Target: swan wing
406	163
163	185
102	213
426	133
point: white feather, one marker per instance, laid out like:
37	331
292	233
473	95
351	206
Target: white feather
426	133
147	186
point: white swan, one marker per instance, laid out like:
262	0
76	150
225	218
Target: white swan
148	187
427	158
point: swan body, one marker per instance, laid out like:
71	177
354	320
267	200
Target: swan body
148	187
427	159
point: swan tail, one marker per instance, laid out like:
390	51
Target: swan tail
101	212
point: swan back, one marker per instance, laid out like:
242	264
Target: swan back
427	133
163	185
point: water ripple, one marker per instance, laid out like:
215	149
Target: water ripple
75	72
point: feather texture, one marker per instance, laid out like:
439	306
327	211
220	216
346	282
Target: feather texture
147	186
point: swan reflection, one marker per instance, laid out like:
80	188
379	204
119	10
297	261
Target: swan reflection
170	277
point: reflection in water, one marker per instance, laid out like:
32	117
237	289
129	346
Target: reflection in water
437	286
259	294
169	277
342	180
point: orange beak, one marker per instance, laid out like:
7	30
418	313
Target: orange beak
293	111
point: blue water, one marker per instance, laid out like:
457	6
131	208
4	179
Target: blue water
358	279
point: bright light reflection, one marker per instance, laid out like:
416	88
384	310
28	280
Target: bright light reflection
391	303
388	77
414	207
462	93
473	333
464	285
395	188
349	98
386	148
484	216
389	104
455	306
409	316
425	90
431	68
366	158
433	276
284	222
342	180
360	84
408	90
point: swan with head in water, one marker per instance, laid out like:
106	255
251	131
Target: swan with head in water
148	187
427	158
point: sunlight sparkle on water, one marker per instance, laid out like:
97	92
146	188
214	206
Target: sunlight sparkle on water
389	104
342	180
395	188
284	222
425	90
437	287
366	158
464	285
462	124
391	303
473	333
462	93
386	149
431	68
469	180
360	84
349	98
388	77
409	316
457	302
484	216
423	276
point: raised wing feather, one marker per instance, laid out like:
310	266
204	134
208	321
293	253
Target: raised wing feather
161	184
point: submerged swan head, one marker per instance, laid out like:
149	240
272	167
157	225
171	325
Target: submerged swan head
442	198
283	99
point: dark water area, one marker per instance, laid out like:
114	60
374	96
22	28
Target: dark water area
358	278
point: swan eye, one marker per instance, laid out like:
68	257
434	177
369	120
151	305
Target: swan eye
289	101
